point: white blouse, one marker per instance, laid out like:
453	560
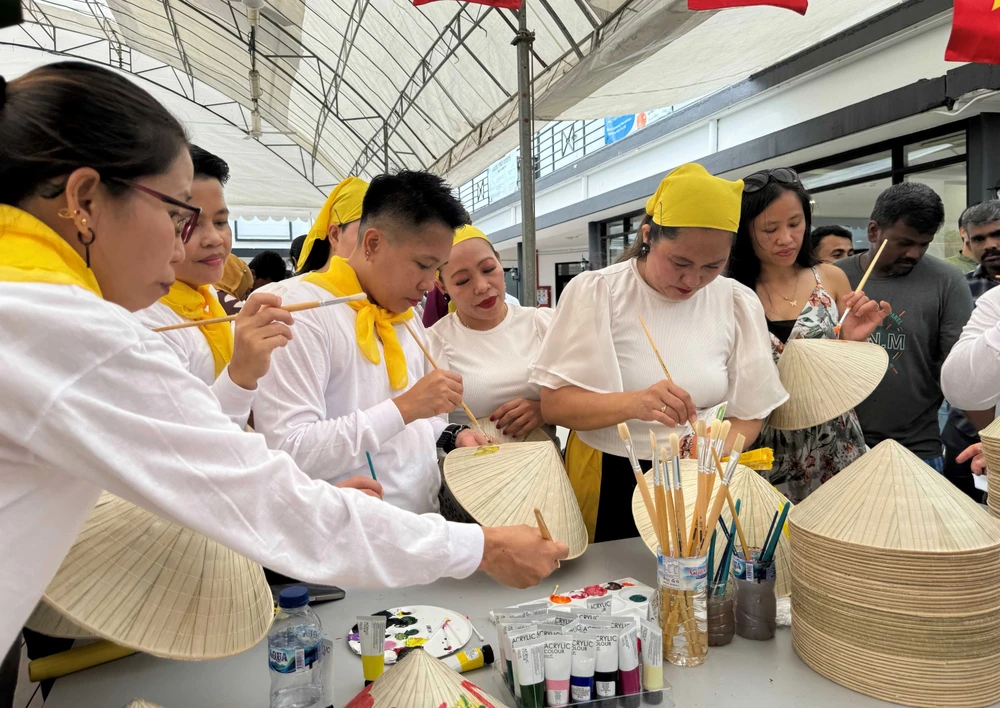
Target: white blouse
970	376
192	349
715	345
94	401
493	363
325	404
280	287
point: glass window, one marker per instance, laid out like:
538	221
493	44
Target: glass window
850	207
264	230
934	149
951	184
848	170
615	248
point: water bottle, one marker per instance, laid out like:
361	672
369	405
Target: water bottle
295	652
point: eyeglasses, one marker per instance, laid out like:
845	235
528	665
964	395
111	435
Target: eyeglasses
184	227
758	180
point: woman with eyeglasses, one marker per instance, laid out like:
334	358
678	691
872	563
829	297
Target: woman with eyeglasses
229	364
93	213
801	299
596	367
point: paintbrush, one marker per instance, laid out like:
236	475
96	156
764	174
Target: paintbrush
767	536
544	530
678	490
472	419
698	452
720	497
656	351
861	285
370	465
734	460
296	307
727	556
719	430
659	497
768	555
640	481
671	518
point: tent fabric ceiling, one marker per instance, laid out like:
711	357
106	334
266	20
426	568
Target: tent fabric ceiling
260	185
355	86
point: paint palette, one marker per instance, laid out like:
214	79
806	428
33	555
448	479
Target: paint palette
624	595
419	626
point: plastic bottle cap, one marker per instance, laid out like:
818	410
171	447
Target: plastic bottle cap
487	654
293	597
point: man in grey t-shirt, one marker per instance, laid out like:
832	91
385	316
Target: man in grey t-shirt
931	304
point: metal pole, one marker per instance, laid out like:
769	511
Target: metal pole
523	42
385	145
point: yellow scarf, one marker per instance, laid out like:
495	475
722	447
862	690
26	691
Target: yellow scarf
31	252
203	304
340	280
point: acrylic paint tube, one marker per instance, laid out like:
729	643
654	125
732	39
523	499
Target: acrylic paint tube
652	656
584	613
531	673
532	610
581	675
606	664
371	633
598	625
576	627
470	659
562	617
504	629
623	623
516	640
558	657
600	604
628	662
653	607
548	631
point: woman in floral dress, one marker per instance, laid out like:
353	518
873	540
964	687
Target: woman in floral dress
802	300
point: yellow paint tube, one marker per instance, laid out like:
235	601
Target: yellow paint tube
371	633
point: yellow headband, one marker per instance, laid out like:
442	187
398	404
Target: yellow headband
690	196
464	233
342	207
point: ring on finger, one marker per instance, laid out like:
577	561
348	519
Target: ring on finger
663	408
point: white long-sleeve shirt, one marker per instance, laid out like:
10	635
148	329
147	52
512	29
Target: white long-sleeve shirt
325	404
970	376
92	400
192	349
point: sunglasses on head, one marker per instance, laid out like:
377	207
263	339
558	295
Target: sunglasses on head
758	180
184	227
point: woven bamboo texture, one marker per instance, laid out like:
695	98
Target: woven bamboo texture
896	584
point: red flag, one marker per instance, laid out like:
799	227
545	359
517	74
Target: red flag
799	6
502	4
975	32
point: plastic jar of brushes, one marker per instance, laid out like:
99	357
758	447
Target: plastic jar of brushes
721	613
756	604
683	608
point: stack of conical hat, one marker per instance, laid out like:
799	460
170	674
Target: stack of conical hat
419	680
490	428
896	584
759	502
156	587
811	370
990	438
502	485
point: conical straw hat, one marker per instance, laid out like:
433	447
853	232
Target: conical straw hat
890	499
51	622
420	681
502	485
156	587
815	374
759	502
896	579
990	438
490	428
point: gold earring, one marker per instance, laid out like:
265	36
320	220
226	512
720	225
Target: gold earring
65	213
